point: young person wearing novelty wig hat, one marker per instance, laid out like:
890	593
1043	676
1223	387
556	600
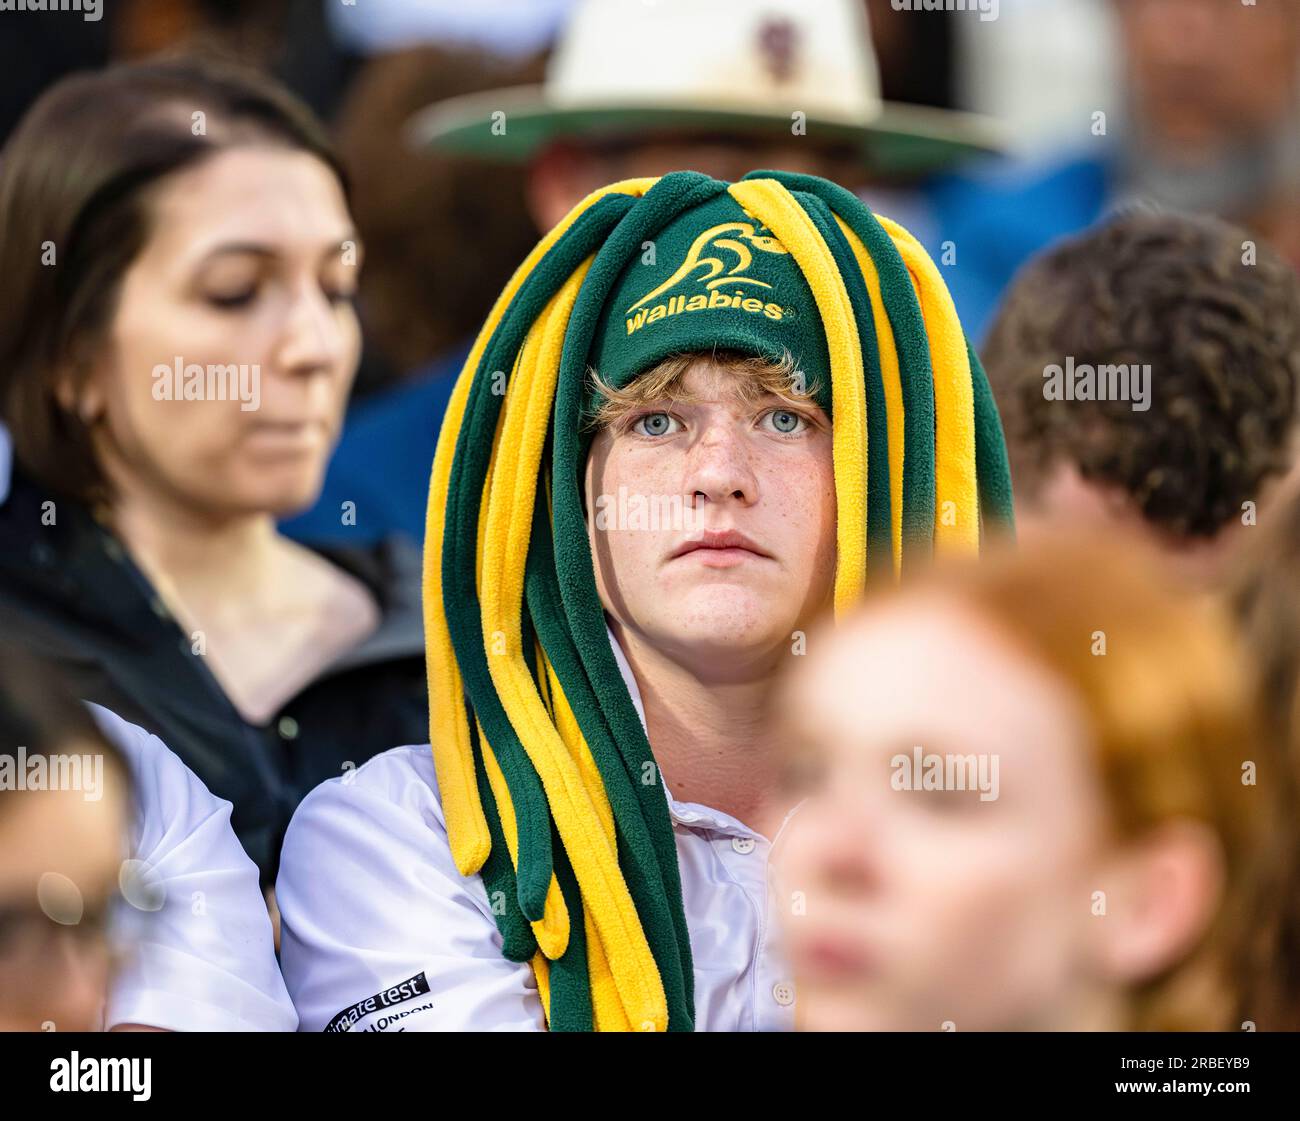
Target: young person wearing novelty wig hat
573	851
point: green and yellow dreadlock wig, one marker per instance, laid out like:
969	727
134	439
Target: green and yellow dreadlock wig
548	783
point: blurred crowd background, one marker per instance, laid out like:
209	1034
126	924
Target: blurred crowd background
1197	102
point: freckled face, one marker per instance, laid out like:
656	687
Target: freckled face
712	522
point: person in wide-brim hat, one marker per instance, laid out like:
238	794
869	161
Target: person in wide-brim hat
793	70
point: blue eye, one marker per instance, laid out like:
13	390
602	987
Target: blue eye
786	421
654	424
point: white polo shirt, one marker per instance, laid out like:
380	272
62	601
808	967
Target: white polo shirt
380	932
196	939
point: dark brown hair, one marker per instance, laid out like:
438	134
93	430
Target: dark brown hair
1222	338
74	214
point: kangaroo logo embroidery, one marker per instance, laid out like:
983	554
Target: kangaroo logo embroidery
706	263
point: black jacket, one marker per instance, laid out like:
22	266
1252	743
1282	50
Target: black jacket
70	591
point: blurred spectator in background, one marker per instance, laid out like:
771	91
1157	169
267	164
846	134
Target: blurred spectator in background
1070	821
1147	376
442	236
1215	120
125	899
635	89
1210	122
176	348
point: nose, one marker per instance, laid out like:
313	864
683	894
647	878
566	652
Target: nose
312	340
718	467
835	853
845	870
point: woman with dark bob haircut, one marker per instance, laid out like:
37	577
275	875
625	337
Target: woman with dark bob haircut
177	344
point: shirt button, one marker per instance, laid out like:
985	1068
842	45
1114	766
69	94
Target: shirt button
783	993
288	728
742	845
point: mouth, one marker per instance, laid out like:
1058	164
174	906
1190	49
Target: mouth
286	436
720	549
830	958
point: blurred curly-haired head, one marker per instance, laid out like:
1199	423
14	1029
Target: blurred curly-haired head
1216	319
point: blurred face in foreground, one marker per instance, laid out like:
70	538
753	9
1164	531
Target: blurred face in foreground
742	550
62	855
956	908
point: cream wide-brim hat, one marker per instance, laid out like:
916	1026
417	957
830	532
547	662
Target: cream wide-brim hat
762	69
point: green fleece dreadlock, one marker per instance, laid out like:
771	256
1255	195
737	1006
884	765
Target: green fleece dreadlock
541	757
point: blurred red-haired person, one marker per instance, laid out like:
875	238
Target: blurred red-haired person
1037	799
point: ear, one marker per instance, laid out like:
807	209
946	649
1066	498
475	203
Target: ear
78	390
559	178
1162	892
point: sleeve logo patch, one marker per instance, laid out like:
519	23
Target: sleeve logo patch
397	994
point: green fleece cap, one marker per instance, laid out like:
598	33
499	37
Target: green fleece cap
714	279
